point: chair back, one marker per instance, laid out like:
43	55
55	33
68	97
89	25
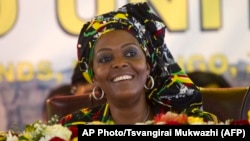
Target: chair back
63	105
225	103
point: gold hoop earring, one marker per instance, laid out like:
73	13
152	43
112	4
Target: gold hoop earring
97	98
152	84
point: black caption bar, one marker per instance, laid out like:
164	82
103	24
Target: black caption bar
165	131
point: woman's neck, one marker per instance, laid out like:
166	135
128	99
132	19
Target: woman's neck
130	114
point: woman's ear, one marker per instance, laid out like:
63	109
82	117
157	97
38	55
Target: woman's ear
94	82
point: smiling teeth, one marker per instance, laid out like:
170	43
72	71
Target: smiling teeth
120	78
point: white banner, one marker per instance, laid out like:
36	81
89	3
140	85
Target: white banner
38	45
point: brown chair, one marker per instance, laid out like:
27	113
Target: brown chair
63	105
225	103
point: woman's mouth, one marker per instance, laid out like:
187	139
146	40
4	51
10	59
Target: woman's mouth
122	77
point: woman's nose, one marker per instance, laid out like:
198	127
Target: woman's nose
119	63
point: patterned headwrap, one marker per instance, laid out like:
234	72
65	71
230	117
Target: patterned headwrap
173	89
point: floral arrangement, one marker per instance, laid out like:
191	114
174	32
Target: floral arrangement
52	131
39	131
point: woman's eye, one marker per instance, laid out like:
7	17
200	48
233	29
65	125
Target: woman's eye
104	59
130	53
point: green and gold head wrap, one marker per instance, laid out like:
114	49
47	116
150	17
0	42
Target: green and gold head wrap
173	89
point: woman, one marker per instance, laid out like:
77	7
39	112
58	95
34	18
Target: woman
123	54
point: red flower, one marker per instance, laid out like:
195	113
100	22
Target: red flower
57	139
74	131
170	118
240	122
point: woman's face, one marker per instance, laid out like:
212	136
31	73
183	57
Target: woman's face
120	66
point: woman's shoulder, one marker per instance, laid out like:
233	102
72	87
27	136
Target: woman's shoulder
83	116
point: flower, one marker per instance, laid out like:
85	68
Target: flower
171	118
195	117
39	131
56	131
53	131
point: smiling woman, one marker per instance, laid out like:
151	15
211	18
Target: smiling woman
123	53
119	59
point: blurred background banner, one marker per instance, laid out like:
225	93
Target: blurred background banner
38	45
